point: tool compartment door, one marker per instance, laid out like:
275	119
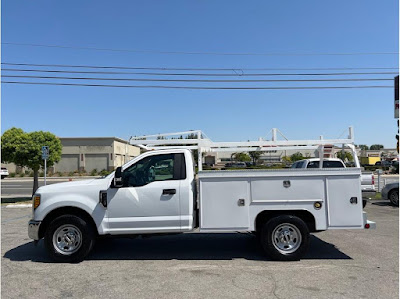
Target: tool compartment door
344	202
224	204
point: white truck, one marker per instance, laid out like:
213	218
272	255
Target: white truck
158	193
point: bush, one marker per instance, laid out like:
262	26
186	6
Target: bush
12	175
93	172
59	173
41	174
104	172
71	173
22	174
31	174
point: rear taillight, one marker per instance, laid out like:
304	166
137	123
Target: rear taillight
373	180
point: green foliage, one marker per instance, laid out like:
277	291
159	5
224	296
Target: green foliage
25	149
71	173
22	174
104	172
93	172
346	157
12	175
296	157
255	156
12	141
363	147
241	157
376	147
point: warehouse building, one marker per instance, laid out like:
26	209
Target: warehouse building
94	153
86	154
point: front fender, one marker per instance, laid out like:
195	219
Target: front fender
85	203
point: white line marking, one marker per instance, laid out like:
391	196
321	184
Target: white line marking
27	205
14	188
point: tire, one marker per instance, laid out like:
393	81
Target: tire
394	197
294	241
69	239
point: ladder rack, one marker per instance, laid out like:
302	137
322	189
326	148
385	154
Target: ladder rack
197	140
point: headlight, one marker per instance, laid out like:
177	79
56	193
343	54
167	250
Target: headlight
36	201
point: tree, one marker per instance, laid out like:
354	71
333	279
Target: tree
241	157
296	157
25	149
363	147
347	156
376	147
255	155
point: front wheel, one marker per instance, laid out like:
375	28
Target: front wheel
394	197
285	238
69	239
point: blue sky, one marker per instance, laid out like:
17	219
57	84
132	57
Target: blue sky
202	26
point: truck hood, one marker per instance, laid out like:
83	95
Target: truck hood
60	187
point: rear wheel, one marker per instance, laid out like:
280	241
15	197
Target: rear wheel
285	238
69	239
394	197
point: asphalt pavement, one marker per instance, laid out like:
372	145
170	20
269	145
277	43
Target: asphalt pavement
22	187
339	264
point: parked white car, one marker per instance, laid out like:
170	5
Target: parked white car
281	206
4	172
367	178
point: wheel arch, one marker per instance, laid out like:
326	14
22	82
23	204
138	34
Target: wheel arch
304	215
67	210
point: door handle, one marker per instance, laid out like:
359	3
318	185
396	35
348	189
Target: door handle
168	191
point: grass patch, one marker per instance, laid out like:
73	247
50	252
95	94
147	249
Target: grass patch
14	200
377	196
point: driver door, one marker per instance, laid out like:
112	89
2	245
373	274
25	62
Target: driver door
149	200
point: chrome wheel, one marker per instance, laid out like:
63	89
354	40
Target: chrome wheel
67	239
286	238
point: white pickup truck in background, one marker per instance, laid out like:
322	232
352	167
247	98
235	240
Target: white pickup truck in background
367	178
158	193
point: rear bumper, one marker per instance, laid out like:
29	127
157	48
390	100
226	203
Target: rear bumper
33	229
367	223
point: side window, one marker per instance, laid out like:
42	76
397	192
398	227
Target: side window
300	164
153	169
333	164
294	165
313	164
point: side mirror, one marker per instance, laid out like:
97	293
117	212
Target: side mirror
118	178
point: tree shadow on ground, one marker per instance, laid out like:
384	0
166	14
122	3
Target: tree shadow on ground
197	246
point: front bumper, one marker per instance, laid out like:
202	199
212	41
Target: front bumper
33	229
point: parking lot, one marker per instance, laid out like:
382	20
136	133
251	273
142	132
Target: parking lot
340	264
